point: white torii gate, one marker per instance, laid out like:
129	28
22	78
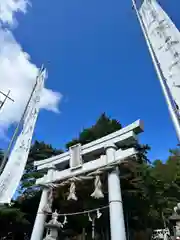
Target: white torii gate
109	150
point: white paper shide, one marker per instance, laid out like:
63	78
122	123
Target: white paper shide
165	41
13	171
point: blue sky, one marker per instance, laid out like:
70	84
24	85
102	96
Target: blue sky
97	58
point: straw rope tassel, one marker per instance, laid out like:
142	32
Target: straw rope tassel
98	188
72	192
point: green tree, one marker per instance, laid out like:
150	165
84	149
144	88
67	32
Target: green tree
167	182
38	152
14	224
101	128
143	185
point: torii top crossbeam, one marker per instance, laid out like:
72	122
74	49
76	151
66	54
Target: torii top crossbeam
91	151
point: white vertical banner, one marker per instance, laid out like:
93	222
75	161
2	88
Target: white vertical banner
13	171
165	41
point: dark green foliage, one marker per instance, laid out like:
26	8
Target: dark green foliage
39	151
150	191
13	223
18	220
103	127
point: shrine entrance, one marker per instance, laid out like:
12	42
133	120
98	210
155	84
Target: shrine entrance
94	163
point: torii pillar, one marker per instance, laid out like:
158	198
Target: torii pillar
38	229
117	225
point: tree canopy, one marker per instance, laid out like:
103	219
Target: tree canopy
150	190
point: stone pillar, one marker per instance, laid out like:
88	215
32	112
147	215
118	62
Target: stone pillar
38	229
117	225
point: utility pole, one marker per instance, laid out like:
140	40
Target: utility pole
5	99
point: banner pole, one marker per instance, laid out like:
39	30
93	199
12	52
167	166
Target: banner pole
173	114
5	158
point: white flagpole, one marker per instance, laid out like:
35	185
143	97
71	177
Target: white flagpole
13	171
174	116
5	158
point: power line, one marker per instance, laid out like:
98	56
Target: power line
7	97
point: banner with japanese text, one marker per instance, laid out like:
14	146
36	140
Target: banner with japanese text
165	41
14	169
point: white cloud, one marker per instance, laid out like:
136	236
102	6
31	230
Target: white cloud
9	7
17	73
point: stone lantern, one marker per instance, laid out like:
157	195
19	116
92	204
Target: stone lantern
53	227
175	220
